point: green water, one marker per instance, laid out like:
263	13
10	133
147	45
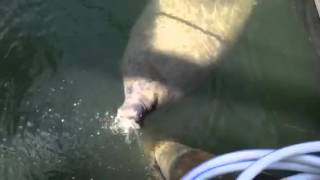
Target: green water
59	75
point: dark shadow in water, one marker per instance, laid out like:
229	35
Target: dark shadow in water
23	59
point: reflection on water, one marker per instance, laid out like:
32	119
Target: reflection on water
25	55
59	75
52	119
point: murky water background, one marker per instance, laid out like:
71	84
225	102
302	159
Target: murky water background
59	75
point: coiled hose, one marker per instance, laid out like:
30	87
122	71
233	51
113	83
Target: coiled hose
252	162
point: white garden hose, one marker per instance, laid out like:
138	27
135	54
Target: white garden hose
254	161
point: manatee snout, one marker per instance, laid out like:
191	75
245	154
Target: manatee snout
132	112
139	100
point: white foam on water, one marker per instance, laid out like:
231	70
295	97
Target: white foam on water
122	126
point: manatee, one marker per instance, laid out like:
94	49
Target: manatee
173	47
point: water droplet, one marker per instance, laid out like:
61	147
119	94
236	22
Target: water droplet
62	120
57	115
29	124
44	134
97	115
22	118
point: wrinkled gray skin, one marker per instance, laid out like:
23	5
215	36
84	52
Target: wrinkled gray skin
173	46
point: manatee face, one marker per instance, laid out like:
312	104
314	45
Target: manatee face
133	112
173	45
139	100
143	96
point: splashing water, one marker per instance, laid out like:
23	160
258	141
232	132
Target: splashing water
123	126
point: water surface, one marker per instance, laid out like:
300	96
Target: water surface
59	76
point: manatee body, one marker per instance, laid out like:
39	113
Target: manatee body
173	46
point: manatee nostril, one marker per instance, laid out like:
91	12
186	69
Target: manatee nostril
128	90
140	111
135	112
